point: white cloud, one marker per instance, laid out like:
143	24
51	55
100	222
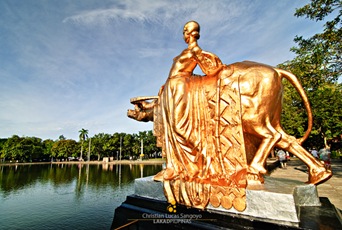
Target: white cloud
105	16
165	13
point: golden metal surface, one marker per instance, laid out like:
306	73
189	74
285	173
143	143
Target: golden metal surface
137	100
217	130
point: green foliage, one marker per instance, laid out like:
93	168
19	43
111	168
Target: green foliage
2	143
25	149
322	52
64	149
83	134
318	66
150	143
30	148
47	146
336	153
294	115
327	107
126	142
318	9
100	146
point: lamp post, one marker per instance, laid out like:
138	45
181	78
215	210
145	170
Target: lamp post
89	149
142	149
120	146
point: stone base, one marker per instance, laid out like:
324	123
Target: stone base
278	204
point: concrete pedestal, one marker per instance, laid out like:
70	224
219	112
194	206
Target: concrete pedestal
278	204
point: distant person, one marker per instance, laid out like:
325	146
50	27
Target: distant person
287	156
324	155
281	155
314	153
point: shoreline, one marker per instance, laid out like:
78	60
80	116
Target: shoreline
115	162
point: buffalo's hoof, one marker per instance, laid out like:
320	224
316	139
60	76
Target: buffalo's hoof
255	179
318	177
256	169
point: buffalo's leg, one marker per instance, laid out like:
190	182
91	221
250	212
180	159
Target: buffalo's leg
269	137
317	172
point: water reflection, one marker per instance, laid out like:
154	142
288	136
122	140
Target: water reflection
19	176
65	196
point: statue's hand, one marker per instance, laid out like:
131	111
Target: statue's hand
143	109
140	115
144	105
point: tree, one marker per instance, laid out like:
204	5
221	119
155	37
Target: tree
47	146
30	148
22	148
83	136
64	149
100	145
150	143
293	115
136	144
2	143
33	148
109	146
318	66
327	107
322	52
10	148
127	144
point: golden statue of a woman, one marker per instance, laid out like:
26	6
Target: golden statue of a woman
187	127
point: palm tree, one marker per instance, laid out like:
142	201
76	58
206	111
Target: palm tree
83	136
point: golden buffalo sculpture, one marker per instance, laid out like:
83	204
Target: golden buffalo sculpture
217	130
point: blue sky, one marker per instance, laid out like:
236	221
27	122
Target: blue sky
68	65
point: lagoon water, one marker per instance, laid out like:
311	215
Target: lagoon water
65	196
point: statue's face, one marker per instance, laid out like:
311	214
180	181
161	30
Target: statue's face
186	33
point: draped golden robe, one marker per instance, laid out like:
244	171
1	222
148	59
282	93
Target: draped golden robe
197	122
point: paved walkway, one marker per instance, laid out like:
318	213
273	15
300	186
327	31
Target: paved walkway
332	188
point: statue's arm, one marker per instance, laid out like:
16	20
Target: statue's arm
209	63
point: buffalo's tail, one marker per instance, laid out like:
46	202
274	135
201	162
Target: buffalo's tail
295	82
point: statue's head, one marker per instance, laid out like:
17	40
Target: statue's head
191	28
